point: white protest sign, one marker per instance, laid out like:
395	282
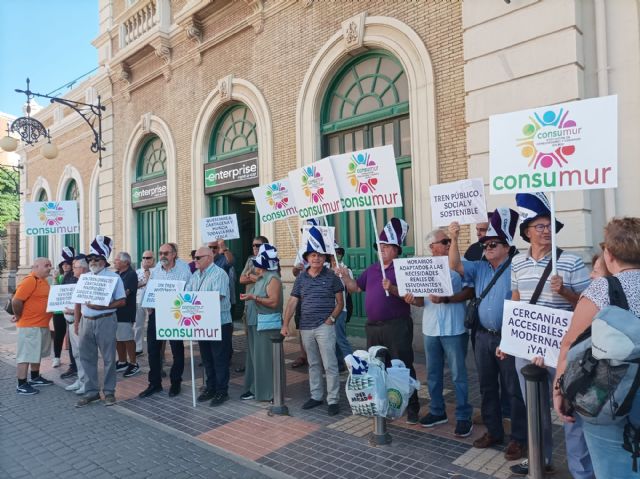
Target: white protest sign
423	276
569	146
219	227
529	330
275	201
192	315
314	190
43	218
155	286
60	297
328	236
462	201
367	179
94	289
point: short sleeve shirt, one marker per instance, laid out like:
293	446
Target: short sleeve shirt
480	273
213	279
444	319
34	292
377	305
127	314
317	295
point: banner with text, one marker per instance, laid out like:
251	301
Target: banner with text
44	218
569	146
462	201
60	297
275	201
367	179
423	276
529	330
155	286
314	190
192	315
94	289
223	227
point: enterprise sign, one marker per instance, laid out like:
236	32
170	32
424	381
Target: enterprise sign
149	192
232	173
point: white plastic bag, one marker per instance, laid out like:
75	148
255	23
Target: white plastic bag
400	387
366	387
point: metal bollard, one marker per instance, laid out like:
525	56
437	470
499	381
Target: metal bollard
380	436
279	377
537	387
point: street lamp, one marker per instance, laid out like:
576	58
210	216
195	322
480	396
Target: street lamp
31	130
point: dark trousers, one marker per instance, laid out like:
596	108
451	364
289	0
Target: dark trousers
490	368
215	357
59	331
155	356
397	336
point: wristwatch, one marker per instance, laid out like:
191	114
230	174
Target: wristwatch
332	319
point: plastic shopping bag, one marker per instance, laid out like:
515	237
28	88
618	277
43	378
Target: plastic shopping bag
400	387
366	386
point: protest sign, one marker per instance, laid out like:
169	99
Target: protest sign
569	146
43	218
367	179
275	201
462	201
314	190
192	315
155	286
94	289
529	330
219	227
423	276
328	235
60	297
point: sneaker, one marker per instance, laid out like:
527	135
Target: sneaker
55	362
463	428
109	400
333	409
206	395
26	389
311	403
40	381
431	420
85	401
74	386
139	353
412	417
132	370
522	469
248	395
218	399
81	390
69	373
121	366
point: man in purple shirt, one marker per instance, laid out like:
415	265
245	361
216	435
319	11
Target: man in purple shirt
389	322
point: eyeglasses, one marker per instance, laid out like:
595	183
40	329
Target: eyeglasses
443	242
492	244
256	245
198	258
540	227
147	257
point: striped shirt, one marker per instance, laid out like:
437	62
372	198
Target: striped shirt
179	272
317	295
526	272
213	279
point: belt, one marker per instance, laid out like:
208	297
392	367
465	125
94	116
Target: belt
492	332
99	316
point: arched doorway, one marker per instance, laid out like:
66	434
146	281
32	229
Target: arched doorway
72	193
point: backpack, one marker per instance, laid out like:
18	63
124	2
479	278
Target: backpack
603	363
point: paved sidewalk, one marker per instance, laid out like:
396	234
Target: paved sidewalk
307	444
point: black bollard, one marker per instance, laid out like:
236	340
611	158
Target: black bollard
279	377
537	387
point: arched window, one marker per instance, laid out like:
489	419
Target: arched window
153	159
234	134
42	242
72	194
367	105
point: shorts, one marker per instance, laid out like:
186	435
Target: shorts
33	345
125	332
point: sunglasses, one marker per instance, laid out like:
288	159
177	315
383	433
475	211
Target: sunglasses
198	258
443	242
256	245
93	260
147	257
541	228
492	244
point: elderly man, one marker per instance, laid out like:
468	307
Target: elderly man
474	251
125	339
215	354
492	285
143	273
80	267
32	320
169	268
445	336
389	322
98	328
222	256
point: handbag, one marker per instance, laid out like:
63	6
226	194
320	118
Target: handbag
8	307
267	322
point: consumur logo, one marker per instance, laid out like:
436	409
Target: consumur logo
186	310
51	214
313	184
277	196
363	173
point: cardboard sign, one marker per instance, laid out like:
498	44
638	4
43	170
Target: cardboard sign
219	227
462	201
45	218
60	297
423	276
192	315
155	286
328	235
314	190
275	201
94	289
367	179
529	330
569	146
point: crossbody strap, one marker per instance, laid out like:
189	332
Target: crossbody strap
495	278
616	293
543	278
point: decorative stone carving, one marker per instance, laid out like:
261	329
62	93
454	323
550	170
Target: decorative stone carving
145	121
307	3
353	31
194	30
163	51
225	86
257	19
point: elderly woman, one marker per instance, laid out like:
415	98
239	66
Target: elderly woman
266	297
621	253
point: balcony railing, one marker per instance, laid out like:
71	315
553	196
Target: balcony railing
143	17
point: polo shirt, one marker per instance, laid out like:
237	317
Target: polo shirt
377	305
127	314
444	319
179	272
118	293
213	279
480	273
34	292
526	272
317	295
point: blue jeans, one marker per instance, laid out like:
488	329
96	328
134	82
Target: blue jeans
605	446
455	350
343	347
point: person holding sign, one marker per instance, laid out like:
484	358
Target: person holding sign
98	328
445	336
143	273
531	273
59	323
80	267
475	251
492	280
389	322
222	256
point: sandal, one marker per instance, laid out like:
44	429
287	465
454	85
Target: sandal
299	362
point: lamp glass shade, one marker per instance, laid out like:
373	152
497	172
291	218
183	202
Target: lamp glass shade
49	151
8	143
